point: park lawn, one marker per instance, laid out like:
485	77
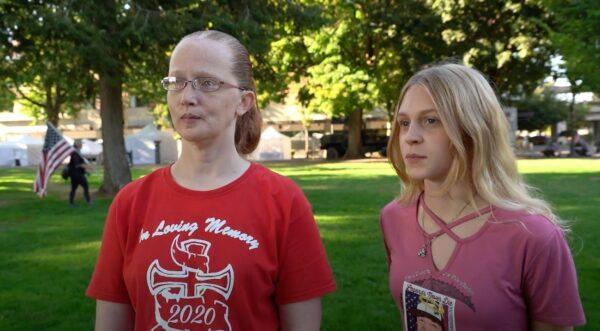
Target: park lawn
48	249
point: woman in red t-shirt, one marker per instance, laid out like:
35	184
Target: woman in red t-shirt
213	241
468	246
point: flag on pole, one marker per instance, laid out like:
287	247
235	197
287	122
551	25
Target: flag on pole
55	150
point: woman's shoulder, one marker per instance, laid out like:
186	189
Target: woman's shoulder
272	180
141	184
396	211
532	227
396	206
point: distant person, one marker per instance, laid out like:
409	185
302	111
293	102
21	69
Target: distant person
213	241
467	244
580	146
551	148
77	170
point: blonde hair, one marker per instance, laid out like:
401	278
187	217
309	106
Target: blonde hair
248	126
478	130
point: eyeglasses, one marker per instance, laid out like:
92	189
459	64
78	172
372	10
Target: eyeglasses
204	84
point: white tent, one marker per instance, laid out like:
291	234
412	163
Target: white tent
142	151
273	146
10	152
142	146
90	148
33	149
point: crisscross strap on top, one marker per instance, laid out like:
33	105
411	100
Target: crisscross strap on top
447	228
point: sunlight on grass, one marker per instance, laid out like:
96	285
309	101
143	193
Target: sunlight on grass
570	166
13	188
47	237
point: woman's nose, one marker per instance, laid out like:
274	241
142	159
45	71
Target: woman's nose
189	96
413	135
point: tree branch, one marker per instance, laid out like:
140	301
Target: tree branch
22	95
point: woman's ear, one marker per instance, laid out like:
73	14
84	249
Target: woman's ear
248	100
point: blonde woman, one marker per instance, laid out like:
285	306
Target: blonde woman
468	247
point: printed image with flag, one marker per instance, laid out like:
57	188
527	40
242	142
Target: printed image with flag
55	150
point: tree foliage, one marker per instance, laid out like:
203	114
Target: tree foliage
347	56
538	111
125	44
39	64
577	37
366	50
506	40
359	58
7	97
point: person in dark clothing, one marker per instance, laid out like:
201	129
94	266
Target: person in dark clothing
77	172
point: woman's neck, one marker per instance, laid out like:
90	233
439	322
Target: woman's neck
447	204
205	167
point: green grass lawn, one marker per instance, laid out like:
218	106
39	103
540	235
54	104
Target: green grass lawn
48	249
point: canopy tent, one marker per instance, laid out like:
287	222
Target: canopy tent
142	146
141	151
12	154
33	149
90	148
272	146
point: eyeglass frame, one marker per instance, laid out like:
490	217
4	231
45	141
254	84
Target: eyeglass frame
185	83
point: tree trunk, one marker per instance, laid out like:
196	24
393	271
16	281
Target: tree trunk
52	114
354	135
116	167
571	124
306	147
51	107
54	105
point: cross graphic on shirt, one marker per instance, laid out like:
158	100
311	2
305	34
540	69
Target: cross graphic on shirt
190	283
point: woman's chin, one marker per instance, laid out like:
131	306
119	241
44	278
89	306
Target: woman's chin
416	174
192	136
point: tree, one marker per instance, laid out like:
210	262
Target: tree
576	34
7	97
38	64
506	40
125	44
360	57
577	37
367	50
538	111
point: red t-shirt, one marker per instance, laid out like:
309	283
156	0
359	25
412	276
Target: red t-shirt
219	260
516	269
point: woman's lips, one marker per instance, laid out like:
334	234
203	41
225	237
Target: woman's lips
190	118
414	157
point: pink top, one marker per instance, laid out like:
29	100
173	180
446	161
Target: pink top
516	269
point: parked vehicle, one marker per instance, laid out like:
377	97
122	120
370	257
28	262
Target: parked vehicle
336	144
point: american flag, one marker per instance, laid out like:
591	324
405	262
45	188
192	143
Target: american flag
55	150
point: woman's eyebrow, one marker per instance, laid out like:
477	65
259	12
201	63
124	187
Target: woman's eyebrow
420	112
200	73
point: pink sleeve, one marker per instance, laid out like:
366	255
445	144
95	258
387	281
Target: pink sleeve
551	283
305	272
107	280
